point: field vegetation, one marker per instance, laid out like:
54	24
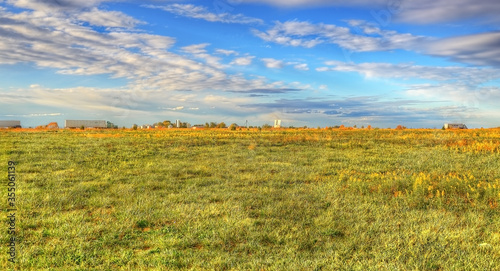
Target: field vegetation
218	199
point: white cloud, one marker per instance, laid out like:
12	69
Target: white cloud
465	85
201	12
175	108
295	3
226	52
308	35
108	18
243	61
199	51
465	95
421	12
439	11
196	48
69	47
301	67
52	6
464	75
273	63
477	49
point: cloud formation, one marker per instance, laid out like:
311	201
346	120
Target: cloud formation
201	12
308	35
418	12
367	109
145	59
452	83
99	17
477	49
243	61
273	63
463	75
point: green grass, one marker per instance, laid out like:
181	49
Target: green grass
250	200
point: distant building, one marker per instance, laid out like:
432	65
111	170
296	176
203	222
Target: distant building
277	123
85	123
177	123
455	126
198	126
10	124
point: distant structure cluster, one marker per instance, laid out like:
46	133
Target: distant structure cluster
85	124
101	124
10	124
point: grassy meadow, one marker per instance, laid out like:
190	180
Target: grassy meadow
254	200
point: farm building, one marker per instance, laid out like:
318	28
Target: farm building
198	126
10	124
277	123
455	126
85	123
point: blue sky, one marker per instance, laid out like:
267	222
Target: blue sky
306	62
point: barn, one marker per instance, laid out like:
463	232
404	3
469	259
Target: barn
455	126
10	124
85	123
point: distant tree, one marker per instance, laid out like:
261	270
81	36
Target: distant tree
213	124
266	126
207	125
233	126
134	127
111	125
221	125
400	127
166	123
82	127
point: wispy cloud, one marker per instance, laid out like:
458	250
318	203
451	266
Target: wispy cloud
420	12
52	6
365	109
273	63
269	90
439	11
144	59
99	17
243	61
301	67
296	3
477	49
308	35
201	12
226	52
452	83
463	75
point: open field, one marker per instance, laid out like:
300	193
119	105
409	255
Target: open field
254	200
